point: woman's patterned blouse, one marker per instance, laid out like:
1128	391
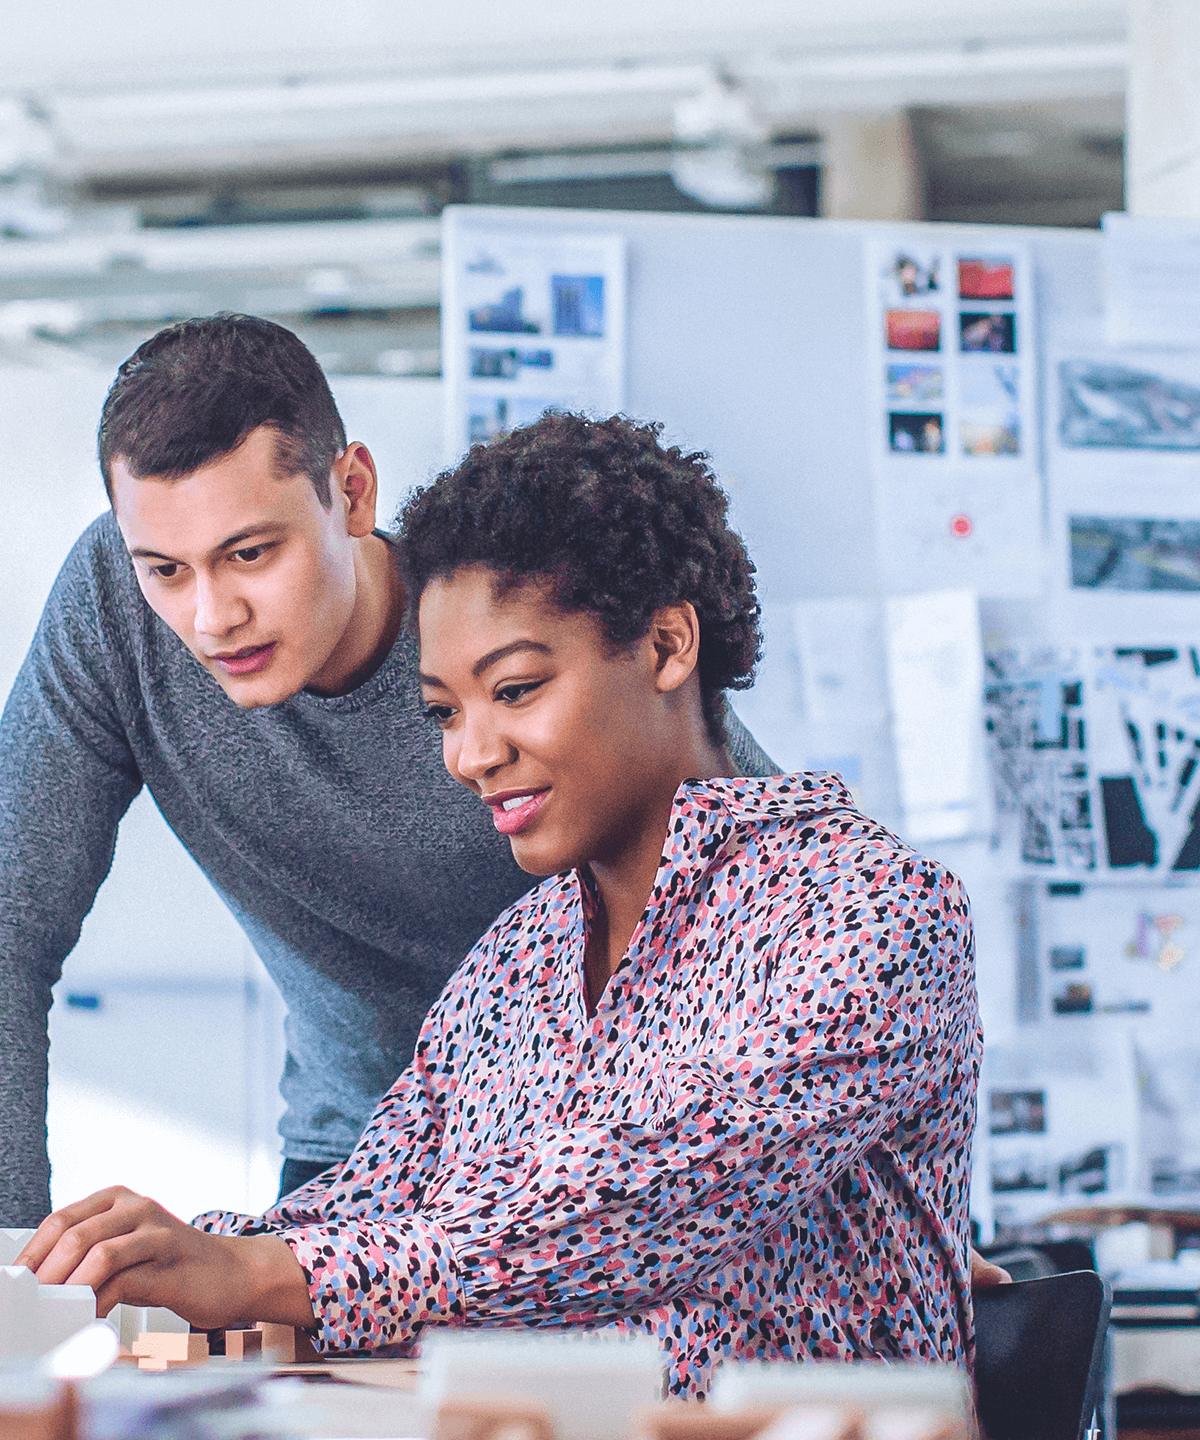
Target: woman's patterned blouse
757	1147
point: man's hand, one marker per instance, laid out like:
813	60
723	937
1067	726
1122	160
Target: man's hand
984	1274
133	1252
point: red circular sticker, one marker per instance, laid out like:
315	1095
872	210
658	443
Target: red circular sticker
961	527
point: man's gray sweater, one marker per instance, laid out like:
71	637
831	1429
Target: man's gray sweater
360	871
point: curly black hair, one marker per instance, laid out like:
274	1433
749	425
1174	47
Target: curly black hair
616	522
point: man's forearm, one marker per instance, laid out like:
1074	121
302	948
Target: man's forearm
24	1164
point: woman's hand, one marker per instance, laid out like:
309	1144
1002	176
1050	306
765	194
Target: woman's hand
984	1275
133	1252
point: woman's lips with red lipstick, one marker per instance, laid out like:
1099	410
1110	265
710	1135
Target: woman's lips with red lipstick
246	661
512	810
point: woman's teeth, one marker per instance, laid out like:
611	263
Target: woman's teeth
514	802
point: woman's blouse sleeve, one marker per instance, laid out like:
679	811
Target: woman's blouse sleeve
859	1026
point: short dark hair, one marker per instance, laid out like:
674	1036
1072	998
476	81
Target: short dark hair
619	524
197	389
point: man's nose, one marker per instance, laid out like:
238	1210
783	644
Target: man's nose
219	608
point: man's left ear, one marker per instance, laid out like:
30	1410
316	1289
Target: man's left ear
355	486
675	637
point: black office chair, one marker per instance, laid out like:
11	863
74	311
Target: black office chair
1039	1356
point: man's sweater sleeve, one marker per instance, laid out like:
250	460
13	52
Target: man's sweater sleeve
66	777
748	756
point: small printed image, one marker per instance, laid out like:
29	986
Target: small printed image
915	434
1092	1173
990	385
912	275
1020	1172
985	277
578	304
1066	957
507	364
989	437
1017	1112
492	415
504	316
914	330
1076	999
1123	409
914	384
993	334
1112	553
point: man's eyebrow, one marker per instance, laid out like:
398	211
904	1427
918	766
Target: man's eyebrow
268	527
485	662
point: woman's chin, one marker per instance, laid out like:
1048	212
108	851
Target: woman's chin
537	856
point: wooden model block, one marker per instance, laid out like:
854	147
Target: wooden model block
243	1344
57	1418
692	1421
165	1350
495	1419
284	1344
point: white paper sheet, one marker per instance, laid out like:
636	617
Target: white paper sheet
935	673
1152	281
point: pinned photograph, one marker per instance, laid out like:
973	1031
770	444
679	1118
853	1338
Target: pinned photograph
578	304
913	274
1020	1172
492	415
914	330
1112	553
919	434
504	316
990	385
1093	1173
991	437
914	384
990	333
1125	409
1017	1112
507	364
985	277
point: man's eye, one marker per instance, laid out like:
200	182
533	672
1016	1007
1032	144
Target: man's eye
439	714
249	553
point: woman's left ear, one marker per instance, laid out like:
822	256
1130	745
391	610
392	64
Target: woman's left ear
675	636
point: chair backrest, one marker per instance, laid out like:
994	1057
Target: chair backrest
1039	1355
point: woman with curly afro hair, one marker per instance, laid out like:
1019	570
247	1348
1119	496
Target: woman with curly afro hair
713	1079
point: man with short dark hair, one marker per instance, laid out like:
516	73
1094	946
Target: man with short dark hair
304	781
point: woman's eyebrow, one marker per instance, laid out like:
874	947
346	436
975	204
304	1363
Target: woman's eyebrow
485	662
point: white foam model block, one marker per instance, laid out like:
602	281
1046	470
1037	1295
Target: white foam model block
130	1321
900	1401
591	1383
12	1242
35	1318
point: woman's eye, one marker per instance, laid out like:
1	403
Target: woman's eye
439	714
510	694
167	571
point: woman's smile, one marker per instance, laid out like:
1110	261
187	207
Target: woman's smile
513	810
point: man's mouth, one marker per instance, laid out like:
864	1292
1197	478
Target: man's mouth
246	661
512	810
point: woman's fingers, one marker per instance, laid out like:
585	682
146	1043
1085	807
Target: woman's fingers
51	1232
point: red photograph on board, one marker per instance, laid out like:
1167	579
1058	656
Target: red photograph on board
985	277
914	330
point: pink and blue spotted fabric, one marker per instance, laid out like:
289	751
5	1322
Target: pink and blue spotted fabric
757	1147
